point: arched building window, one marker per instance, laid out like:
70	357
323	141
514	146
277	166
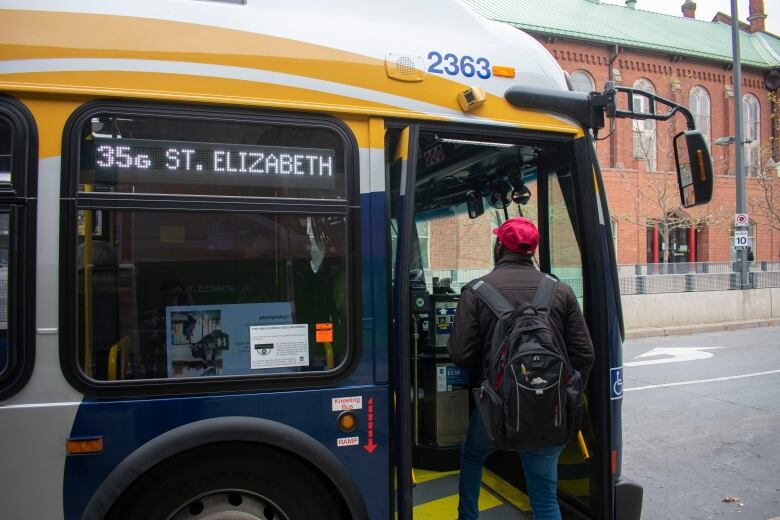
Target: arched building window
582	81
699	101
644	131
751	128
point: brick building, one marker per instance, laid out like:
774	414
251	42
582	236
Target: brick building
688	61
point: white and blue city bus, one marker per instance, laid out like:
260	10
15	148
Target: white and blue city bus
232	238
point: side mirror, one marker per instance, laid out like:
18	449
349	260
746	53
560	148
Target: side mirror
474	204
694	168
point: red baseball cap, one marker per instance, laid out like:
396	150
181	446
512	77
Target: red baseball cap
519	235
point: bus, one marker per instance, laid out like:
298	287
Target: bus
233	235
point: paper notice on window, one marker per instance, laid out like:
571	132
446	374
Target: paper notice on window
279	346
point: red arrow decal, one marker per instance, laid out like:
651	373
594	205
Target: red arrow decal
370	447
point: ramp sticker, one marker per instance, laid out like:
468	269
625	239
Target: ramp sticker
274	346
347	441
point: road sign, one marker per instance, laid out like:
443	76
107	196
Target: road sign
740	239
741	219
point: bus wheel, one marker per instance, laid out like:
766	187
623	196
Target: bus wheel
238	481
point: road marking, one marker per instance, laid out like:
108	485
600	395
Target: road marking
677	354
648	387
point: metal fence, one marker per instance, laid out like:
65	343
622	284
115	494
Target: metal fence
694	276
647	278
460	277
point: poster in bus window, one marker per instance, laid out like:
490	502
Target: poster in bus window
275	346
214	340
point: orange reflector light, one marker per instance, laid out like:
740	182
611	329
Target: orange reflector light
85	445
506	72
347	422
614	462
700	160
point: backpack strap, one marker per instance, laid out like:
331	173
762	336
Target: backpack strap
543	297
496	301
502	309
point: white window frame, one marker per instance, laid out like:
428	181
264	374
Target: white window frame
699	101
644	134
751	130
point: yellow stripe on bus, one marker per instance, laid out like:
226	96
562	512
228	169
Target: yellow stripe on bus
50	117
61	35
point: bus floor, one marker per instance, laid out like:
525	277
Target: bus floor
435	497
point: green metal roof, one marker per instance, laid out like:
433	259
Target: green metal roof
592	21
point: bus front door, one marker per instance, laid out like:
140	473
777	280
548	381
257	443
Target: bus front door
448	188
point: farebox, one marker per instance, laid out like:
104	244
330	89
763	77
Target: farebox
446	402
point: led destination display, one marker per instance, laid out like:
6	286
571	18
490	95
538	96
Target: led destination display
141	154
261	165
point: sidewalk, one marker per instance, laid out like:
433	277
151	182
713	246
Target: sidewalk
704	327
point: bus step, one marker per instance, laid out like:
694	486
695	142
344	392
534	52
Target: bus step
435	497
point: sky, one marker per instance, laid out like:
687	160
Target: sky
706	9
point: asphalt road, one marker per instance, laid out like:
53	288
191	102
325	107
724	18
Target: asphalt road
713	430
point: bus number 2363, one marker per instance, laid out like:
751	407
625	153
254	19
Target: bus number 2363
453	65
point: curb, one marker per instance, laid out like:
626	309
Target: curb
704	327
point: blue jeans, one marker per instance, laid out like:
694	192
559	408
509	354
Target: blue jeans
540	467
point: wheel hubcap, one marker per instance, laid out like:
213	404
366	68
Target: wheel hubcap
229	505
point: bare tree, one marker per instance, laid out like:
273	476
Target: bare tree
764	203
656	194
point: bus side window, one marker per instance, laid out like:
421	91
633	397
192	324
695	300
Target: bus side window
4	235
243	273
17	150
5	176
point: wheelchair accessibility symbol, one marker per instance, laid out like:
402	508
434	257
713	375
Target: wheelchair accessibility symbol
616	383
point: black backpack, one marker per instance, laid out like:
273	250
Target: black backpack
531	396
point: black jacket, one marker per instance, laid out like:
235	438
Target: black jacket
517	279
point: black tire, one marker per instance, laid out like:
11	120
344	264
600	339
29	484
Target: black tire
229	478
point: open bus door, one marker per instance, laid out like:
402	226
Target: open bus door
452	184
401	149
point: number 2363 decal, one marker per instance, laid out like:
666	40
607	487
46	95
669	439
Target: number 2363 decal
453	65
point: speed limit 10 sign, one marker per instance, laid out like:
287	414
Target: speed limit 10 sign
741	219
740	239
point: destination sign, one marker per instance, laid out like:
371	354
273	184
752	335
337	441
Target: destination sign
137	155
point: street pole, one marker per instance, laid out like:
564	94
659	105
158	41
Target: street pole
740	156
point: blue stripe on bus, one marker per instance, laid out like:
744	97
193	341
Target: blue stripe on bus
376	263
127	425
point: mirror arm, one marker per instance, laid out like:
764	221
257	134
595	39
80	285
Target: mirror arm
673	108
